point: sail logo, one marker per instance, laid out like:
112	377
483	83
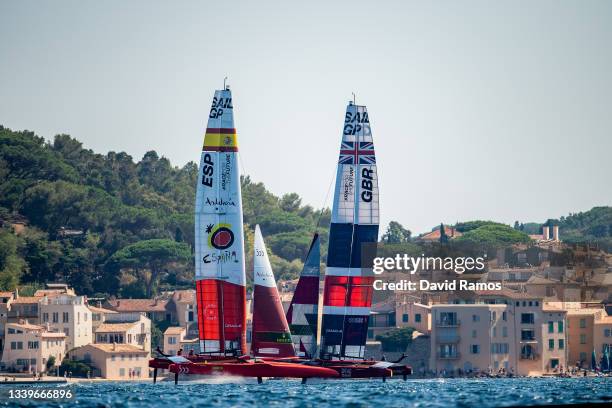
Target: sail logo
367	184
220	237
220	202
218	105
226	171
208	169
354	123
221	258
348	182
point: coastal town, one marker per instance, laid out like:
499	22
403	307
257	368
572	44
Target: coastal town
546	321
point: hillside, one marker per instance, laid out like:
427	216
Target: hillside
86	216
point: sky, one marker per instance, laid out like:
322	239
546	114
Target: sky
479	110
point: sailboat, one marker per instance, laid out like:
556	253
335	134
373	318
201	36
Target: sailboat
271	346
220	267
303	311
353	235
271	335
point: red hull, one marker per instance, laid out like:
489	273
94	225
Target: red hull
254	369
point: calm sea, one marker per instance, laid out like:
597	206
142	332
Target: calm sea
339	393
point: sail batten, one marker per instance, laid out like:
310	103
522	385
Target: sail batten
271	335
219	247
355	217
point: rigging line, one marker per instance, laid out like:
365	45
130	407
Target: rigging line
331	182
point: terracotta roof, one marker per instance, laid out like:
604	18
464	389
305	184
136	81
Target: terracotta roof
584	311
6	294
27	326
506	293
538	280
435	234
552	308
138	305
114	327
117	348
184	296
27	299
51	292
604	320
101	310
174	330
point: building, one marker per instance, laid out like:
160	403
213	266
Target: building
24	307
416	315
115	361
602	337
580	335
98	316
183	305
435	234
54	289
125	328
29	347
470	338
70	315
173	336
5	306
155	309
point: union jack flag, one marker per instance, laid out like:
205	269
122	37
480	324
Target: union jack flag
357	153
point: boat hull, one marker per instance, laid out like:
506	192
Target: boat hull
257	369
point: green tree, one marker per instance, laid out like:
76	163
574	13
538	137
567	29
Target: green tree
150	258
396	339
12	264
396	234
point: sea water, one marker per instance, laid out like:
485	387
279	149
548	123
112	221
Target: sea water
337	393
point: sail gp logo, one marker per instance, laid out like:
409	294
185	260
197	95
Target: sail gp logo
218	106
356	122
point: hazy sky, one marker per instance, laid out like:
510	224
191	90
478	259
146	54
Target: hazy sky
479	109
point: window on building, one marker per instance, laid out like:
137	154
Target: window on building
171	340
583	323
495	332
113	357
405	318
67	331
11	330
527	334
65	317
583	339
551	327
45	317
494	316
504	331
504	316
32	345
55	317
475	318
530	303
518	303
417	318
527	318
607	332
551	344
474	334
475	349
561	344
524	303
583	356
84	317
500	348
560	326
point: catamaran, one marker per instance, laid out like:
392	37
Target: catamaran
220	271
353	235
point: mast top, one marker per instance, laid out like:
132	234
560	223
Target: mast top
225	86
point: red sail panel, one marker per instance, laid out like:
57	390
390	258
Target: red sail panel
271	336
221	328
348	291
